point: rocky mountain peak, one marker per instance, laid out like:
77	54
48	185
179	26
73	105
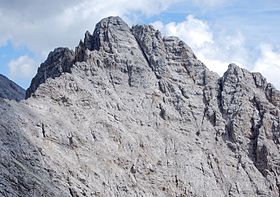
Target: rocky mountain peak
113	36
132	113
108	32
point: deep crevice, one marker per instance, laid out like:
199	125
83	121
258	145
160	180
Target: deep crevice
220	95
258	154
143	53
146	57
71	192
129	73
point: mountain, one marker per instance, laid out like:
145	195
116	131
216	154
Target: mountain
10	90
130	113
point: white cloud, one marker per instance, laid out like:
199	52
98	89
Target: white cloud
216	50
193	31
22	68
269	64
210	3
224	50
44	25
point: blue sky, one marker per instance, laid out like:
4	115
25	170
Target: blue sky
219	31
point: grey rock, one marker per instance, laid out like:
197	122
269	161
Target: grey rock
60	60
10	90
130	113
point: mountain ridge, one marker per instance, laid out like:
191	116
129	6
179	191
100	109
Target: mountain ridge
91	42
129	113
10	90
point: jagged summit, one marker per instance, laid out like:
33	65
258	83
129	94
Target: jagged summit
106	33
58	61
132	113
112	35
253	79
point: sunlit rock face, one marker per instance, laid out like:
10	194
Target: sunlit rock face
130	113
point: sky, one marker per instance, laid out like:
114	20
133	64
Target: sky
220	32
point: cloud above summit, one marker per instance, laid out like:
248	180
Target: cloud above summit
210	3
43	25
217	49
22	68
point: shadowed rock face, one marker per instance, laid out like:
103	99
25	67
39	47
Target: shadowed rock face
130	113
10	90
59	61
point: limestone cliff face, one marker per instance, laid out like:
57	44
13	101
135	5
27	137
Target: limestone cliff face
130	113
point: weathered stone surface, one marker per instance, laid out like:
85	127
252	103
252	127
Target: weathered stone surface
10	90
130	113
60	60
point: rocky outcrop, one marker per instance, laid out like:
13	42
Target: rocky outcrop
131	113
10	90
59	61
